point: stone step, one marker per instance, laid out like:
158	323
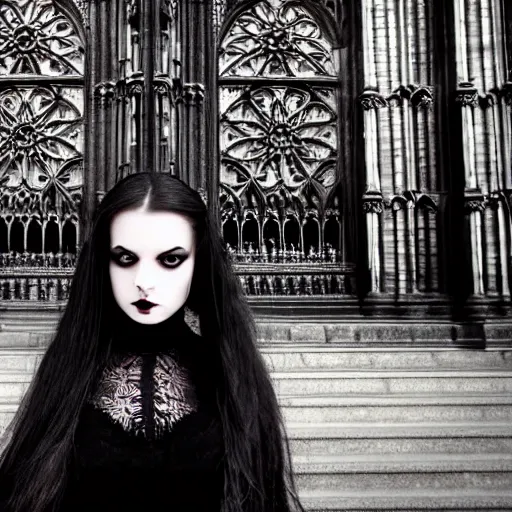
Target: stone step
7	411
454	472
390	382
295	358
13	385
334	358
403	463
32	325
398	500
24	360
350	438
393	409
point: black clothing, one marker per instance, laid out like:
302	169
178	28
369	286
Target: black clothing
150	438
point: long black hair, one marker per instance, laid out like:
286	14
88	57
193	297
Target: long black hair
258	475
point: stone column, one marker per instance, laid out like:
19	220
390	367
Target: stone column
481	65
194	27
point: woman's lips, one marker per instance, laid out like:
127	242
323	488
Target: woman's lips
144	306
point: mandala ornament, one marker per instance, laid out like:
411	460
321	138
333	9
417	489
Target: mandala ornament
119	394
37	38
279	144
41	138
276	38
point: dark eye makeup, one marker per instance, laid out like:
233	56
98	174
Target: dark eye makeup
168	259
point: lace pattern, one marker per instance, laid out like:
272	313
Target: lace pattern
119	393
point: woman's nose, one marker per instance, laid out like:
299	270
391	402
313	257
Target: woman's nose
145	278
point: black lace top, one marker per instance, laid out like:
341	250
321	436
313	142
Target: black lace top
149	438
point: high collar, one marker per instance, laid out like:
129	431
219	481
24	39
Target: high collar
131	336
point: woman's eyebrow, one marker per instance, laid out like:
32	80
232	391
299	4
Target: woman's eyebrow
120	248
174	249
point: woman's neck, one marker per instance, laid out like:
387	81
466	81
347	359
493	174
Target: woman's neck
131	336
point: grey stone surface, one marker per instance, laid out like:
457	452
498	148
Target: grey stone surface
310	358
341	446
364	482
13	385
371	421
397	500
327	382
484	430
277	333
20	360
309	333
424	463
396	414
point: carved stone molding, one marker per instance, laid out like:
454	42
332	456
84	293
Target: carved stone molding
191	94
163	84
489	99
134	84
411	199
419	96
372	99
373	202
426	201
474	201
105	92
467	94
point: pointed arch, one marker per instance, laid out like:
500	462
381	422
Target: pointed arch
42	111
279	111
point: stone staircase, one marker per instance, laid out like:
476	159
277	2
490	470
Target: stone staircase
372	426
388	430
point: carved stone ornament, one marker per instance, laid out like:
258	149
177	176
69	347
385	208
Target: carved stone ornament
278	146
474	201
162	84
489	99
411	199
419	96
372	99
373	202
399	202
276	38
467	95
192	94
36	38
426	201
135	84
105	91
41	138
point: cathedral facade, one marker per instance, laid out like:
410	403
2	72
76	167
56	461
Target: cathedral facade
357	154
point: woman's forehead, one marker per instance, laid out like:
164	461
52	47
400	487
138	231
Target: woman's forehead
140	229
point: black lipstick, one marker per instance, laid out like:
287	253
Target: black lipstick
143	306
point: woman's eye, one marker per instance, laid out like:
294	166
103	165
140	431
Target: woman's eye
124	259
172	260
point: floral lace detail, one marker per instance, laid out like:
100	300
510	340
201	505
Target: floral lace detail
119	394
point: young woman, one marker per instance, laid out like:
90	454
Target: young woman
132	410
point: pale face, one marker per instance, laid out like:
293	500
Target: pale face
152	257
